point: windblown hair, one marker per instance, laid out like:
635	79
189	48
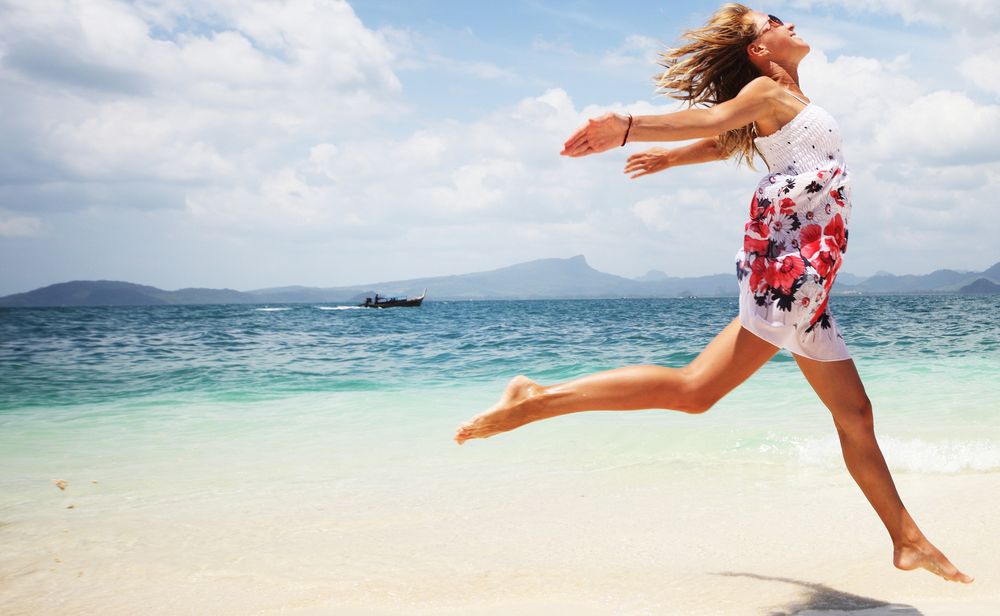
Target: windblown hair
711	66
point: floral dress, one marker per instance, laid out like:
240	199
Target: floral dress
796	237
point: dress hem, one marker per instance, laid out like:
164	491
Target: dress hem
779	346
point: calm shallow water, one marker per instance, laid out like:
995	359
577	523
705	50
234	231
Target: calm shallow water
238	459
73	356
114	376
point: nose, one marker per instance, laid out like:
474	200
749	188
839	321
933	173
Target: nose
791	27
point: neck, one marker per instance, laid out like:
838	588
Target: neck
787	75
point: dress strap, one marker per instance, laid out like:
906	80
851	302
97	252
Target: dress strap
753	125
796	97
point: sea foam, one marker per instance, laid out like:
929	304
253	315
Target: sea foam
915	455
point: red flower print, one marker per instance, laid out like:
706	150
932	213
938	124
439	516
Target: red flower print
757	270
822	251
784	272
835	193
787	206
810	234
835	229
805	302
758	228
825	261
753	206
752	244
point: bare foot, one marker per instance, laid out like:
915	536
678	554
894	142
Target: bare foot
509	413
924	555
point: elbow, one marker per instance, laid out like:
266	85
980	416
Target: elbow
719	150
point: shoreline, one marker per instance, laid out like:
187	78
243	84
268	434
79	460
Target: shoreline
724	539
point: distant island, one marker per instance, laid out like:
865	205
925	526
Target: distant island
571	278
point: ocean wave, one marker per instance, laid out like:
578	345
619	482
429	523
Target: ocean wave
271	309
340	307
916	455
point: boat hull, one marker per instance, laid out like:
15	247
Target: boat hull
396	303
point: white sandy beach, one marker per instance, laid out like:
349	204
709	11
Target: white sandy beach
266	522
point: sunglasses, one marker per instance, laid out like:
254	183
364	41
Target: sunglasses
771	22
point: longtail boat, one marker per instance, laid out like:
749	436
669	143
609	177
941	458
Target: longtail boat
393	302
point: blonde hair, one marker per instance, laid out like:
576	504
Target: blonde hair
711	66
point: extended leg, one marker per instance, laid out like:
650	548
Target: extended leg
839	386
728	360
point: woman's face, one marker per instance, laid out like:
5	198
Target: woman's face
778	39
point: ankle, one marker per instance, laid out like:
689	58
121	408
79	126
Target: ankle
909	538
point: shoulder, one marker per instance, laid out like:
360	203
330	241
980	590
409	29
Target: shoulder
762	88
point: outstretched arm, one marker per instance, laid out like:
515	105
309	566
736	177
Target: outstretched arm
658	159
612	130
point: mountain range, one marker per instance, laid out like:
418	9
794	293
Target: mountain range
571	278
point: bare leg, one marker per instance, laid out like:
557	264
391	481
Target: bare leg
728	360
839	386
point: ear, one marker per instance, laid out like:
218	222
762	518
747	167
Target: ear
757	50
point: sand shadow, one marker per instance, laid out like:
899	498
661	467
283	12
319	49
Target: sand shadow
821	600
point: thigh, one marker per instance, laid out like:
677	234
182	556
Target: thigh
728	360
839	386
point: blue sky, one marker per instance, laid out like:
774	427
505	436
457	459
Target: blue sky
254	144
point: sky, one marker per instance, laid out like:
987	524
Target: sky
191	143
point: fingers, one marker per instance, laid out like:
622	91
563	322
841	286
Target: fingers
589	138
638	160
646	155
645	168
632	165
576	136
576	145
579	149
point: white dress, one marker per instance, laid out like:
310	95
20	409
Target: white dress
796	237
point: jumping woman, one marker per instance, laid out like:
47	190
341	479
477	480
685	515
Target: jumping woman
741	70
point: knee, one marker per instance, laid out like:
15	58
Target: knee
856	420
696	394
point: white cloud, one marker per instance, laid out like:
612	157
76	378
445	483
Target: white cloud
636	50
280	132
12	225
942	128
654	212
415	52
981	68
181	93
970	14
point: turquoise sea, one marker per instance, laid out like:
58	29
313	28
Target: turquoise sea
299	459
930	364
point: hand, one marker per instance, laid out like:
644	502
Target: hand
650	161
597	135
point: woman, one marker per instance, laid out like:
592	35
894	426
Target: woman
743	66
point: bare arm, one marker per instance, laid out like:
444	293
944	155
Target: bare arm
610	130
658	159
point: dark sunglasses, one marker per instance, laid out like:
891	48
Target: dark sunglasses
771	21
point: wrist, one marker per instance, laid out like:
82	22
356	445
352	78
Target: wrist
628	129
